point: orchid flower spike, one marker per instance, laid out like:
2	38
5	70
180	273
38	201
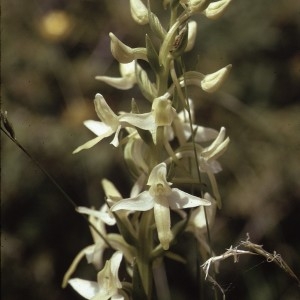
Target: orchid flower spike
161	197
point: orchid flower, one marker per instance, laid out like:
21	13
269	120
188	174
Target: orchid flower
94	252
107	284
112	124
161	197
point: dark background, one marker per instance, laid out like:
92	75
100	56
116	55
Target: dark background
48	64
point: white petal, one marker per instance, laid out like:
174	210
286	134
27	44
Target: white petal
158	175
198	216
203	134
115	141
138	185
104	112
91	143
179	199
219	139
110	190
85	288
141	202
97	127
121	83
115	265
104	214
163	221
144	121
127	70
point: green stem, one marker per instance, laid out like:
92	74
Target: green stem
144	252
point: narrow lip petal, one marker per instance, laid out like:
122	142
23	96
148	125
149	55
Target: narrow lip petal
179	199
89	144
163	221
85	288
142	202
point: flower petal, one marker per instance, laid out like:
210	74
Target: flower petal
85	288
141	202
179	199
92	142
97	127
163	221
104	214
144	121
105	113
115	265
121	83
198	219
115	140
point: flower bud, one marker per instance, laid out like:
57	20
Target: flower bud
139	12
212	82
195	5
216	9
192	32
124	54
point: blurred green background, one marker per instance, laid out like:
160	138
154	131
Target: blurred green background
52	50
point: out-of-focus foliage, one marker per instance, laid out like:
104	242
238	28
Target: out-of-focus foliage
51	52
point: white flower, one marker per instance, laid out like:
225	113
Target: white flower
112	124
107	284
125	82
94	252
161	197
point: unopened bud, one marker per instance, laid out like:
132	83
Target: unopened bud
195	5
124	54
139	12
192	32
216	9
212	82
